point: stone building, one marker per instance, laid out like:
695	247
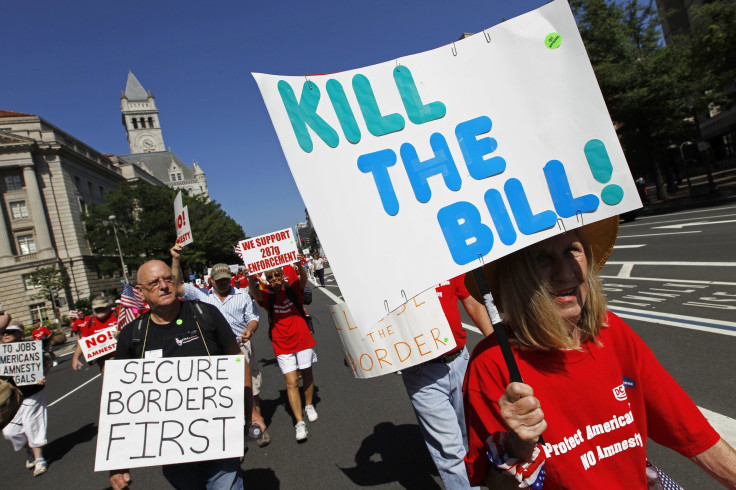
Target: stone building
47	179
146	142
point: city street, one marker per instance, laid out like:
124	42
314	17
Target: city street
671	277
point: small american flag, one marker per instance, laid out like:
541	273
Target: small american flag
131	298
132	303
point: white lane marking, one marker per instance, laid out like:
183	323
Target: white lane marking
691	322
673	290
661	294
626	302
725	426
643	298
75	389
684	283
680	220
694	264
626	270
660	234
630	246
613	284
715	306
697	223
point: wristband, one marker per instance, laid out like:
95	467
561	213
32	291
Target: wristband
528	474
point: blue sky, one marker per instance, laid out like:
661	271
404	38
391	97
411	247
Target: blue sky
68	62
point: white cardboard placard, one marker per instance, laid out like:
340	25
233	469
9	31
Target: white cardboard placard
414	333
267	251
450	157
181	221
170	410
99	344
23	361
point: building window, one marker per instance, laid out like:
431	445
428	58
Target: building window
77	184
173	177
178	176
82	206
28	283
143	122
26	245
102	193
150	122
135	122
13	182
39	313
91	188
18	209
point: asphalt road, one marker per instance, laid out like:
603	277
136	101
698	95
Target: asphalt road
672	277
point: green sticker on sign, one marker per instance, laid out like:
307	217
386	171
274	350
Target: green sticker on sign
179	321
553	40
237	359
445	339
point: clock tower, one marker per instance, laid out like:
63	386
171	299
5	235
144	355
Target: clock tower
140	118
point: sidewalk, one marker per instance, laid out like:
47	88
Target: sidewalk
697	196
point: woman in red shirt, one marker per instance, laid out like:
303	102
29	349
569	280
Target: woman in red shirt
591	385
292	341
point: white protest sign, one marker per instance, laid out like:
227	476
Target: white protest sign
415	333
267	251
181	218
452	156
23	361
99	344
170	410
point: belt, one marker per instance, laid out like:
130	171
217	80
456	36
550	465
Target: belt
447	359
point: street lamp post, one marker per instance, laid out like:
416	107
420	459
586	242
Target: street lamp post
122	262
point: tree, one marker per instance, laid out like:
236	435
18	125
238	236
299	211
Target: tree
52	282
145	225
651	89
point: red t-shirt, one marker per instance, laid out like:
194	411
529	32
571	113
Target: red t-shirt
90	327
40	332
448	293
600	403
290	332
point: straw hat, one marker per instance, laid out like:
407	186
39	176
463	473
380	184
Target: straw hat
600	236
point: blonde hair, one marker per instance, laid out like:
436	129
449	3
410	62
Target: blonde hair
530	312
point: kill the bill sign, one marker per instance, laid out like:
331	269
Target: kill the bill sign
450	158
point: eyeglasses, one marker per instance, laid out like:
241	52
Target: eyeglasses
271	276
99	310
155	284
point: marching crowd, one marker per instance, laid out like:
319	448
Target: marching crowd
561	394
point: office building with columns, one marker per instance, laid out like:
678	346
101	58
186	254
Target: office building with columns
47	179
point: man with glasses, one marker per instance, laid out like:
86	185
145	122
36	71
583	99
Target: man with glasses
236	306
292	341
162	329
102	318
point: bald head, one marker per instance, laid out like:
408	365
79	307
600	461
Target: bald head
157	285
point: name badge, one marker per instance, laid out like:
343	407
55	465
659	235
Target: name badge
154	354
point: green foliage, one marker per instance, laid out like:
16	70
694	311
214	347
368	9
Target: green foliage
51	280
145	226
651	89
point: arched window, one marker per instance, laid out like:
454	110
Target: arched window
135	122
143	122
150	122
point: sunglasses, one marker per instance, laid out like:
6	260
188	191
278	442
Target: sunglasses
99	310
271	276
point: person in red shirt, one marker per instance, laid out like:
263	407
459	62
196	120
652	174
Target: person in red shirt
40	332
102	318
590	385
292	341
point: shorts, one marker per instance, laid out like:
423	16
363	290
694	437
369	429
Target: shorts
29	424
248	350
299	360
